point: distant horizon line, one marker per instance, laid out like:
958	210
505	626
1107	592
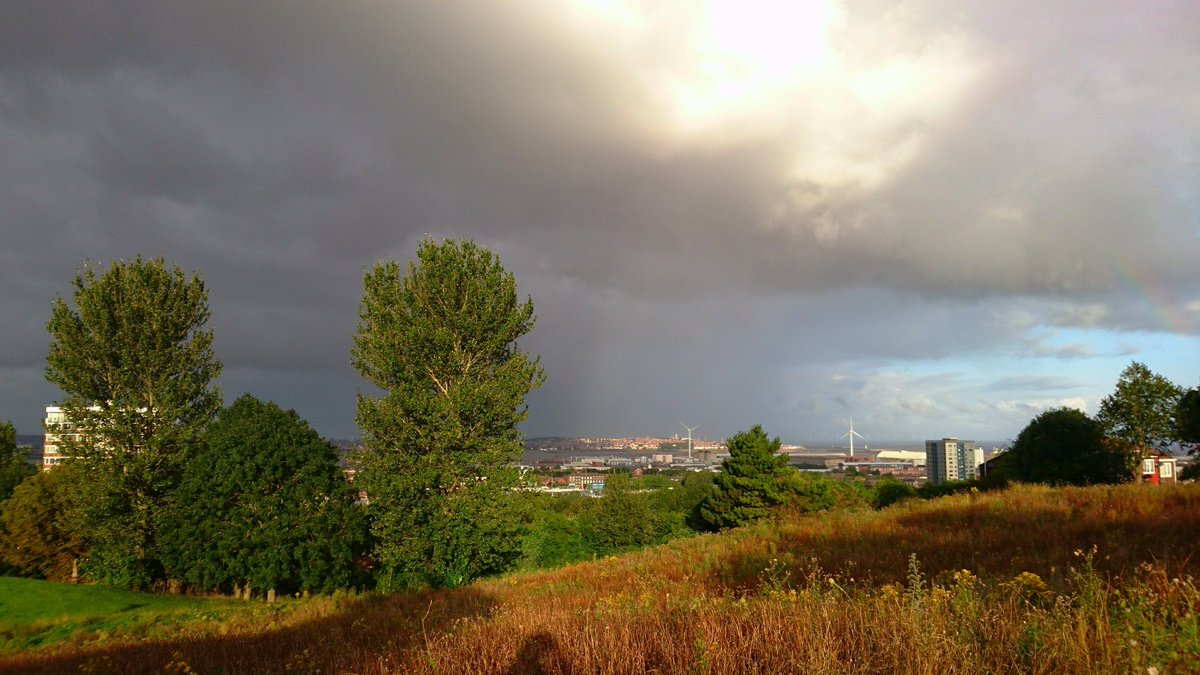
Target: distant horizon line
827	442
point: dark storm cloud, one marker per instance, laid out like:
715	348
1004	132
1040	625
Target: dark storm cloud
1037	167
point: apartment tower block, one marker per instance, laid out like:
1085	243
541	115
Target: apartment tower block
951	459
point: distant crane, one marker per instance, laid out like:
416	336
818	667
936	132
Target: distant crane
851	434
689	430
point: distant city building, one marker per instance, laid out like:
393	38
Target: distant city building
586	482
58	431
915	457
950	459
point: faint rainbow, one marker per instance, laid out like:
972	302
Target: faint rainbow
1169	313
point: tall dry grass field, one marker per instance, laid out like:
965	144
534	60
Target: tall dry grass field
1029	580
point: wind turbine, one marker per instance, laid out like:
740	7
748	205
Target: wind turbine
852	433
689	430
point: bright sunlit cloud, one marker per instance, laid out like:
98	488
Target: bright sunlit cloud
850	109
746	57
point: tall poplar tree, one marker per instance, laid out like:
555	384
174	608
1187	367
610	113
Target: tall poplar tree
439	339
136	363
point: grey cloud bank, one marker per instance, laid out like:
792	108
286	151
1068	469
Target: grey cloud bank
919	214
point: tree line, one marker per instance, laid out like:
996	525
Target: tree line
167	488
1145	415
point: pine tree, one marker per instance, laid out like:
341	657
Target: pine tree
753	479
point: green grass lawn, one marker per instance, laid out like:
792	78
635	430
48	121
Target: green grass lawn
39	613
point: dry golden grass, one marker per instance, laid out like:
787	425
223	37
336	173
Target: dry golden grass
1029	580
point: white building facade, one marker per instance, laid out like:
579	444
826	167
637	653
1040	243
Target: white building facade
58	431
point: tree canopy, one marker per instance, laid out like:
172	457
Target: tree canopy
439	338
264	503
136	364
13	465
754	478
621	519
1065	447
40	526
1141	412
1187	420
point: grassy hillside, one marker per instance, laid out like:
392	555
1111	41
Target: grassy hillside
36	613
1030	580
26	601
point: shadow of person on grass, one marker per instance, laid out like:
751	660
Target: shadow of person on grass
539	655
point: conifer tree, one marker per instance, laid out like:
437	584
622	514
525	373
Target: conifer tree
753	479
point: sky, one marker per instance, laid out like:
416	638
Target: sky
937	217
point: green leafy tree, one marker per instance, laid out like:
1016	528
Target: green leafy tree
1065	447
41	527
1141	412
753	479
945	488
264	503
621	520
13	465
808	493
439	338
1187	420
554	539
136	364
891	491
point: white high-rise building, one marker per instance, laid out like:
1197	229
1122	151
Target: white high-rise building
58	429
951	459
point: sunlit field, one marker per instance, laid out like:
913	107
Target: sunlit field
1029	580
